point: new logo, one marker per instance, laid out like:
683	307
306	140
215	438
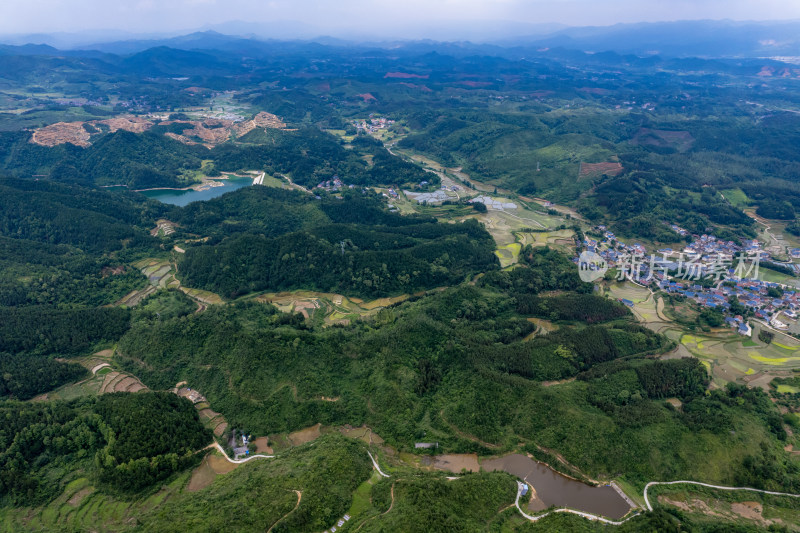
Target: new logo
591	266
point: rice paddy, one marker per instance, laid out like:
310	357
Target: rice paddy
81	508
732	357
327	308
728	356
508	254
105	378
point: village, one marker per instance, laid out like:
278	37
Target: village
372	124
714	273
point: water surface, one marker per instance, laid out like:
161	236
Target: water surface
554	489
181	197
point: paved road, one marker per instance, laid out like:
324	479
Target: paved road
239	461
589	516
375	464
653	483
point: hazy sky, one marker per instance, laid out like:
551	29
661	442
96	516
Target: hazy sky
365	16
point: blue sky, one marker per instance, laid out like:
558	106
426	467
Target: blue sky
388	17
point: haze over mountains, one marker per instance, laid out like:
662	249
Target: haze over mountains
697	38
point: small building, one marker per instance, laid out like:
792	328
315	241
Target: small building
777	324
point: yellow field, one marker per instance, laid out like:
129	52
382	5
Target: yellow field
772	360
508	254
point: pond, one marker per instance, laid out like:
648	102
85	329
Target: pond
182	197
551	488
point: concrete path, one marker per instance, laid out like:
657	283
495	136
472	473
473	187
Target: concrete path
375	464
653	483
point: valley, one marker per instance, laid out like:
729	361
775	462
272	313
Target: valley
321	286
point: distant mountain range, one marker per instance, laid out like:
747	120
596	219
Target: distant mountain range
704	38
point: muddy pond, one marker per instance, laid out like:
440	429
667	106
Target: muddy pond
551	488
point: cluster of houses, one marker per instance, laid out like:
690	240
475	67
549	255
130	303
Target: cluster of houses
334	184
373	124
781	312
679	230
611	249
705	255
679	271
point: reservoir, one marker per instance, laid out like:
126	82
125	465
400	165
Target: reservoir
182	197
551	488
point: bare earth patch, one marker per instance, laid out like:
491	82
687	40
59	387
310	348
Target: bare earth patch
62	133
262	445
456	462
220	429
305	435
610	168
676	403
363	433
208	414
205	474
749	510
210	131
123	384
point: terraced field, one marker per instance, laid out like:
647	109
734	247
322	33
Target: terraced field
104	379
732	357
210	418
729	357
82	508
161	275
328	308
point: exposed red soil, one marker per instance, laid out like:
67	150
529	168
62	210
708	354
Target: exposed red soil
415	86
209	132
597	169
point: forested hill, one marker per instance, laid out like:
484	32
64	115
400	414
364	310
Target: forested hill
348	245
57	213
273	212
153	159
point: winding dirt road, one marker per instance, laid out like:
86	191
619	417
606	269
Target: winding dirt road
299	497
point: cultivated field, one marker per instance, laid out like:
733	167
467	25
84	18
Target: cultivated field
104	379
82	508
328	308
595	170
728	356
